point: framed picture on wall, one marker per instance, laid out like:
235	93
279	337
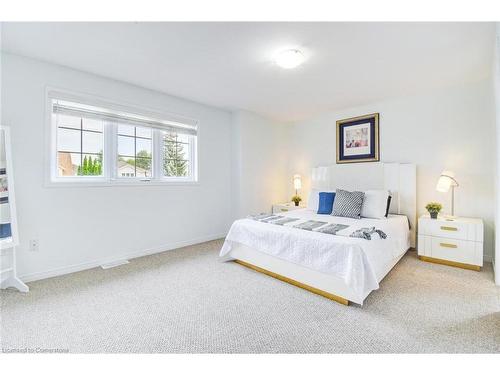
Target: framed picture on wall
358	139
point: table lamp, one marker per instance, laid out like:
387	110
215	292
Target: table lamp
297	183
445	182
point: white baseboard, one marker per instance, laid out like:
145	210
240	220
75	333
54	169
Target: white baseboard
136	254
96	263
118	263
495	273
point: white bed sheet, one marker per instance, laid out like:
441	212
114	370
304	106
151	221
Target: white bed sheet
360	263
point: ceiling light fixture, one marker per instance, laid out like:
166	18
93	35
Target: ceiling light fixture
289	59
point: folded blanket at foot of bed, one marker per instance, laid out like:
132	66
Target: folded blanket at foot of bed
367	233
310	225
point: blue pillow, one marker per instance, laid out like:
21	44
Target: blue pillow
326	203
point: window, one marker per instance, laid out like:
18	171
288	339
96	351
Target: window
135	145
176	151
103	145
80	145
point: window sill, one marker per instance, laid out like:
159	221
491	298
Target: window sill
118	183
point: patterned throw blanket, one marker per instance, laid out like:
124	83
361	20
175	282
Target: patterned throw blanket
320	226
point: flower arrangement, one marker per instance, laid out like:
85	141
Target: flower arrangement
296	199
433	208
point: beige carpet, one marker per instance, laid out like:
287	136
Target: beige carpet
187	301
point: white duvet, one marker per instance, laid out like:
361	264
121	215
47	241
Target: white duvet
360	263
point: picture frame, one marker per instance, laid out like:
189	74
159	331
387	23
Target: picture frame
358	139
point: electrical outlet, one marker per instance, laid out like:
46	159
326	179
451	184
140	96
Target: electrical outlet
34	245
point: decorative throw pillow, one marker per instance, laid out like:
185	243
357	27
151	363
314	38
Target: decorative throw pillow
325	206
389	198
313	201
348	203
375	204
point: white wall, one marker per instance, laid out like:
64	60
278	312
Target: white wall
1	56
78	227
496	98
259	163
449	129
246	164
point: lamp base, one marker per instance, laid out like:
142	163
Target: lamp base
449	217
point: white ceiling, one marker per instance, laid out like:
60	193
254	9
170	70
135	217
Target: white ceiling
229	65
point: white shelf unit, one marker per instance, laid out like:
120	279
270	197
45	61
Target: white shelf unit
8	266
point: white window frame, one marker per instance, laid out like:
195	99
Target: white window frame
114	158
110	147
54	172
192	159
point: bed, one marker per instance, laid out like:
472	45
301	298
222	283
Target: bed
336	266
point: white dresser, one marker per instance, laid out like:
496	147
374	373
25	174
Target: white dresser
455	242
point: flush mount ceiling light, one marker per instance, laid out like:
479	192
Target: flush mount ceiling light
289	59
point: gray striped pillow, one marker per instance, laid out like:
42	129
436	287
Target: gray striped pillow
348	203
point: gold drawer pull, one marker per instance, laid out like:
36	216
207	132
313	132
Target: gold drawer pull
442	244
284	209
449	228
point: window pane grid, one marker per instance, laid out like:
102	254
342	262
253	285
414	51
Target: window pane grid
78	152
177	160
133	136
80	130
176	155
140	151
73	158
134	151
180	143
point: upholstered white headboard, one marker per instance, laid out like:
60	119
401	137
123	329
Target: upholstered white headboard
400	179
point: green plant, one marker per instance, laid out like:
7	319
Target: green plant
433	207
174	163
90	167
142	160
296	199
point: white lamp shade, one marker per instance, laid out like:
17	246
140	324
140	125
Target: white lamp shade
297	182
446	180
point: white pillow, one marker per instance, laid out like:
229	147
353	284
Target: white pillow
375	204
313	200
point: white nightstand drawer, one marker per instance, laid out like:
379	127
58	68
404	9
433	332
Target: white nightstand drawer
448	229
457	242
281	209
454	250
285	207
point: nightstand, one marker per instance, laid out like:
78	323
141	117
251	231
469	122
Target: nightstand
284	207
455	242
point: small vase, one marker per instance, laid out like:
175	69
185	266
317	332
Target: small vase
434	214
296	204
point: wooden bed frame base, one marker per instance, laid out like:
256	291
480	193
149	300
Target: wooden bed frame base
320	292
